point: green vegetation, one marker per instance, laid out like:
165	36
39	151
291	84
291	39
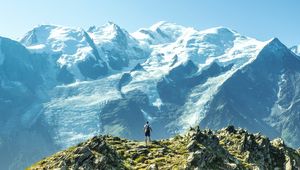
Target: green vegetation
228	148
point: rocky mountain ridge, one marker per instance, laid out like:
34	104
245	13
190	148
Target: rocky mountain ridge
228	148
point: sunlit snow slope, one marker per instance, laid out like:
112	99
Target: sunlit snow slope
69	84
296	49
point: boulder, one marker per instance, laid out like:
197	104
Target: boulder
152	167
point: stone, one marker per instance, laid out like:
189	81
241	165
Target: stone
83	157
134	155
201	158
155	142
278	142
77	150
202	150
162	150
63	165
232	165
192	146
142	151
230	129
94	145
152	167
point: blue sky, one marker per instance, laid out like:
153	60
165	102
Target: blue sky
262	19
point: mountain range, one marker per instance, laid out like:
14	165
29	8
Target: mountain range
60	86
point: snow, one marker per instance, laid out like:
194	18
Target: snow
197	103
159	33
219	44
297	50
61	40
74	109
105	33
158	103
74	45
71	113
39	48
172	30
147	116
218	30
110	37
69	43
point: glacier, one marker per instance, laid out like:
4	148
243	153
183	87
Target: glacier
61	85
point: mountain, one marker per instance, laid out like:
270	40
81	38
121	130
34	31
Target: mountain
85	55
296	49
268	81
22	86
160	33
63	85
228	148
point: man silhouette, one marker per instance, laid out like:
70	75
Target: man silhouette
147	130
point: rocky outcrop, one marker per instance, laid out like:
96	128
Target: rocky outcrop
228	148
93	154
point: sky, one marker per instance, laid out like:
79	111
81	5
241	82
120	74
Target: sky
261	19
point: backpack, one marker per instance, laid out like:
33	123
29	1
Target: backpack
147	128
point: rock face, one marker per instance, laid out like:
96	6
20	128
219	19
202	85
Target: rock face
22	84
60	86
228	148
262	98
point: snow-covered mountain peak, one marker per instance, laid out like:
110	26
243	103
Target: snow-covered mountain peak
53	39
109	32
167	26
70	46
86	54
108	29
37	35
220	30
215	44
174	76
161	32
211	35
113	26
222	35
41	33
117	45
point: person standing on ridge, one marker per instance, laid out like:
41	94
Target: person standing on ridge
147	130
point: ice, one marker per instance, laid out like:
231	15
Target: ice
147	116
159	33
221	45
71	112
74	109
